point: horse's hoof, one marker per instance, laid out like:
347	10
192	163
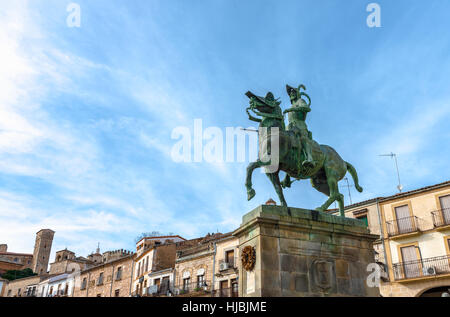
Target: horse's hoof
359	188
320	209
285	185
250	194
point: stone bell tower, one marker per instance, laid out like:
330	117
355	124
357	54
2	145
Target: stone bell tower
42	248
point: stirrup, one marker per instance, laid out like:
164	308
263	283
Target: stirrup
309	164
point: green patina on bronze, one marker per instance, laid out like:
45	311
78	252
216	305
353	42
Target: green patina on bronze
299	155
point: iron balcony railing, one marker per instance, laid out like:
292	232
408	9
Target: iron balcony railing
422	268
192	287
170	289
404	225
230	263
441	217
226	292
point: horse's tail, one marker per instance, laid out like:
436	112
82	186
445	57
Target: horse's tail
352	172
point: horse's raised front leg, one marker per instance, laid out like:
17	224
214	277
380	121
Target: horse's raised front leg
248	182
286	183
276	183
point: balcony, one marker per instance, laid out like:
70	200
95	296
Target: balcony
422	268
404	226
441	218
226	264
193	289
226	292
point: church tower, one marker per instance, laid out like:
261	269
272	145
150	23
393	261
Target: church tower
42	248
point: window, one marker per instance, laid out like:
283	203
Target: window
224	288
99	295
146	265
186	282
119	273
165	285
445	206
410	256
404	220
117	293
363	218
229	257
16	259
447	244
9	293
83	284
234	288
100	279
138	272
200	280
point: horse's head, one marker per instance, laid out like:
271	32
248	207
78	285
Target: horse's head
264	105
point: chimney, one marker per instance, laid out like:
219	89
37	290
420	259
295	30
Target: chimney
3	248
271	202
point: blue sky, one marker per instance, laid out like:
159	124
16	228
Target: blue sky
86	114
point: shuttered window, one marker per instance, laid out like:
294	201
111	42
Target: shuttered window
404	221
445	205
409	258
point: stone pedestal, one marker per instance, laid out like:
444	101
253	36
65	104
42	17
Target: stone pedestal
302	252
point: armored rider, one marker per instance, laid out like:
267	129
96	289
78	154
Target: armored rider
297	116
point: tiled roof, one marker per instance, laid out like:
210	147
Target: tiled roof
18	254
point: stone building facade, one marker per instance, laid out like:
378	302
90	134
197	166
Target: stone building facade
19	287
226	262
67	262
38	261
414	245
42	249
156	258
15	261
109	279
3	284
197	269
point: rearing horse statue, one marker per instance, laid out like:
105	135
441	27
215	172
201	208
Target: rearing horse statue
298	154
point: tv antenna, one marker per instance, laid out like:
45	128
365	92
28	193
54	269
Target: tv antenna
394	156
348	187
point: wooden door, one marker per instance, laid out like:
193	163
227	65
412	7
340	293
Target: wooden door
224	288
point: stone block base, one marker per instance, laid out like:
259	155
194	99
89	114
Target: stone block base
302	252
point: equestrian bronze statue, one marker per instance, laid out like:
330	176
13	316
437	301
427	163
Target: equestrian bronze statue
298	155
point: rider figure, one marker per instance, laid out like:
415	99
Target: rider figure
297	116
